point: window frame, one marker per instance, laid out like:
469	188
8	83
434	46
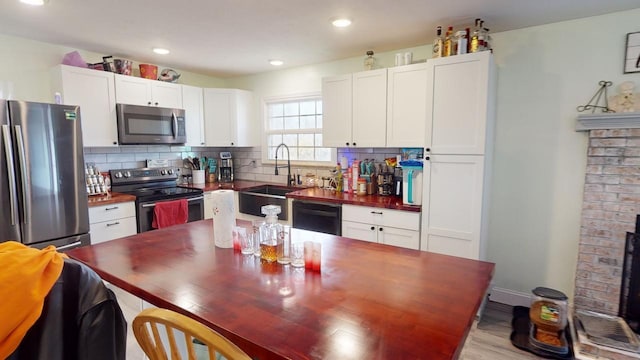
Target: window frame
265	133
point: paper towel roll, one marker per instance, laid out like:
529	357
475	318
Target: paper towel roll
224	217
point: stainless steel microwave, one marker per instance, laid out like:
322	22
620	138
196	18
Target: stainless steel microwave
150	125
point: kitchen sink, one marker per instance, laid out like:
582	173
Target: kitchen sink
251	201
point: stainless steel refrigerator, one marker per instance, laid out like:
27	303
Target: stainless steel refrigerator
42	183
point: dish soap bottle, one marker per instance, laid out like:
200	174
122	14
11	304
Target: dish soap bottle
270	230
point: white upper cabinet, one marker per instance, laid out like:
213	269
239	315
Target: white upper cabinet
461	98
192	101
94	92
336	111
407	105
355	109
229	118
138	91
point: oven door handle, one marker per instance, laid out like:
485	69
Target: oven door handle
189	199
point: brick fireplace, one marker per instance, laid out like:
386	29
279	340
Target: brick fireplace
611	202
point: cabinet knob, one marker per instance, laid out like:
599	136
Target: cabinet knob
231	143
148	102
346	144
427	150
115	143
426	158
380	229
373	228
354	144
156	103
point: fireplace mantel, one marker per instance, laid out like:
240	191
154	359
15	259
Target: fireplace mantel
605	121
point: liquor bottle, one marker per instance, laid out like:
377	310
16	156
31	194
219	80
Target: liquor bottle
448	42
438	43
487	38
476	42
369	61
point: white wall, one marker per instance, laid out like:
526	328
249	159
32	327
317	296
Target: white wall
26	64
544	73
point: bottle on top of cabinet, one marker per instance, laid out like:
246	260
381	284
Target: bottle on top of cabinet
369	61
461	42
479	37
448	43
438	43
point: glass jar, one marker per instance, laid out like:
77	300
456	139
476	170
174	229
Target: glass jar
270	231
362	187
369	61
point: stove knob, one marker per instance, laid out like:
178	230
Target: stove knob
118	175
163	172
170	171
127	174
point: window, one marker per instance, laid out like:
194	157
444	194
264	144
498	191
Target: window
297	123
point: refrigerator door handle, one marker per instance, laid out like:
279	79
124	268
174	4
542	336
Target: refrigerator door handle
24	175
11	174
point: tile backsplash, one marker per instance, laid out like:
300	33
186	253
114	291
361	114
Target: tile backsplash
247	160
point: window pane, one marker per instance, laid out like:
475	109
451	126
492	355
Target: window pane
306	140
276	110
319	121
318	139
276	124
291	109
319	106
292	123
323	154
294	154
308	122
308	108
290	139
305	154
275	140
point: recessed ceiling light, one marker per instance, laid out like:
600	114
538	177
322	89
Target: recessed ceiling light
160	51
276	62
34	2
341	22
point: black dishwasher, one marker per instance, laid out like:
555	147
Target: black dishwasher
317	216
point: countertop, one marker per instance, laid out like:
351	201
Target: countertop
370	300
299	193
111	198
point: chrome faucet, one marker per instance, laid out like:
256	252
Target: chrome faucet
290	179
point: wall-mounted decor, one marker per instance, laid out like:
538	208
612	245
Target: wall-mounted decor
632	54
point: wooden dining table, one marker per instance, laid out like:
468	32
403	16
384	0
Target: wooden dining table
368	301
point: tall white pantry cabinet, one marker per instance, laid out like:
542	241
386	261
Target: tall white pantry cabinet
458	153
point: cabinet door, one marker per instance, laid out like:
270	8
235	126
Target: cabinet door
246	128
369	108
399	237
218	105
407	106
452	210
359	231
192	102
133	90
336	111
165	94
94	91
459	88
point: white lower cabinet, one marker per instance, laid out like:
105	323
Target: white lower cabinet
385	226
112	221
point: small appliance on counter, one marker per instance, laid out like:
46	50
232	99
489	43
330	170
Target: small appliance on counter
411	182
225	175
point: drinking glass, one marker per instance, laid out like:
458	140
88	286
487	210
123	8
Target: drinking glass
246	242
297	254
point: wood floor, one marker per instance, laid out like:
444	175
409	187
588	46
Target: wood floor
488	339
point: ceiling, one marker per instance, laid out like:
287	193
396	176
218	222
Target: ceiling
226	38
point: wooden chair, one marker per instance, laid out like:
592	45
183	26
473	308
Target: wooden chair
153	345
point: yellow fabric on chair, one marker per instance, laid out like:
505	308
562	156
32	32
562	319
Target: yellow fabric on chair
26	278
152	345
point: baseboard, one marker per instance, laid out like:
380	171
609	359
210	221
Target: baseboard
510	297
